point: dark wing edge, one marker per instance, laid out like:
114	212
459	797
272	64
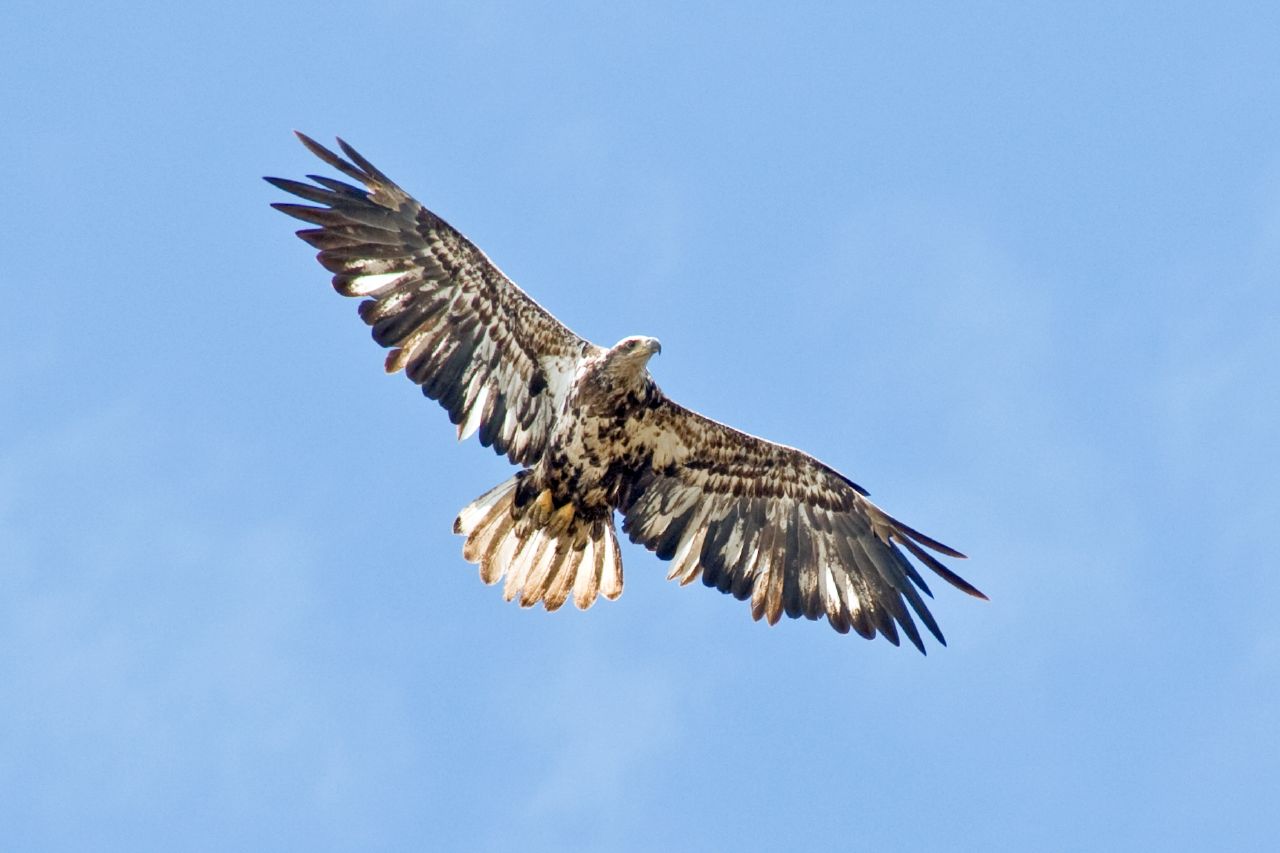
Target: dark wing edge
497	361
771	524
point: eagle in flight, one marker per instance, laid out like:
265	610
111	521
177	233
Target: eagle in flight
593	434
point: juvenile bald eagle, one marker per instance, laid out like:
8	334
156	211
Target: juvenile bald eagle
593	434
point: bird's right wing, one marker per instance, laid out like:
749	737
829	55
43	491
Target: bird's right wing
498	362
774	525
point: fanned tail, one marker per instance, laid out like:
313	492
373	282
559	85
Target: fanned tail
545	552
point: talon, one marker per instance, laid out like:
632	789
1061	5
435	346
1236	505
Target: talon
540	510
560	519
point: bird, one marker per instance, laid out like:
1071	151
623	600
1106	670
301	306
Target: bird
593	436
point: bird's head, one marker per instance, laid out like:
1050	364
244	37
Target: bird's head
627	359
636	349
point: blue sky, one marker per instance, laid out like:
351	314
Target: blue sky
1012	267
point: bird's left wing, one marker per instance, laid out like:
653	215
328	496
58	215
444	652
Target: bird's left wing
771	524
496	360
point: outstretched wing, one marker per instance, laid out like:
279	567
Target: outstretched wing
772	524
497	361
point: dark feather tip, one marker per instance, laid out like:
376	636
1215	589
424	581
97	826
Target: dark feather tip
331	158
357	158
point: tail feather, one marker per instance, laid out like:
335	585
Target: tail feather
496	562
527	553
559	587
488	528
609	566
529	583
545	553
478	509
540	579
586	585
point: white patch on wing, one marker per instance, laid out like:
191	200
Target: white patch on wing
475	415
560	372
830	592
395	302
851	598
761	588
507	429
822	555
749	564
734	545
685	565
366	284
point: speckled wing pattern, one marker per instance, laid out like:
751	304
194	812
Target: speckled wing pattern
755	519
769	523
497	361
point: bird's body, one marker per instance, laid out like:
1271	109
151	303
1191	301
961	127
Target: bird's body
594	435
588	456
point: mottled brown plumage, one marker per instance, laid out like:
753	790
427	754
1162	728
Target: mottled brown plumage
594	434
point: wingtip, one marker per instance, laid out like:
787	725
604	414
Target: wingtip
927	541
935	545
316	148
968	588
360	160
360	169
311	145
938	568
